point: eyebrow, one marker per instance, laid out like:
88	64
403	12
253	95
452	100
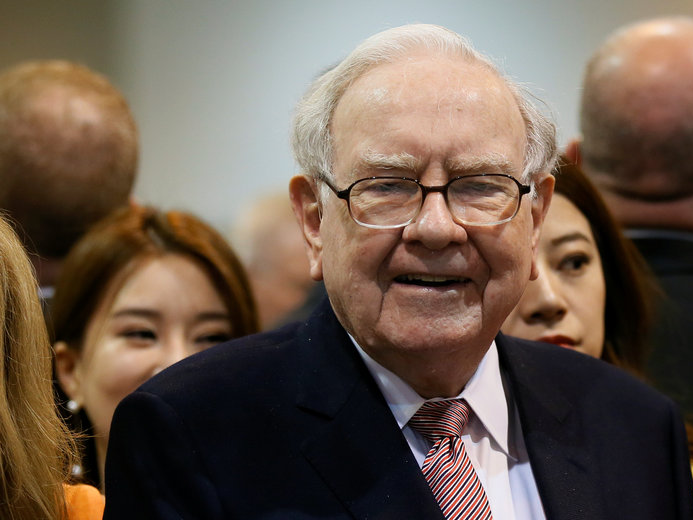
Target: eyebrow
133	311
491	163
380	161
571	237
405	161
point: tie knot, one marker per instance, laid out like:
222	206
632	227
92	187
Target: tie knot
438	419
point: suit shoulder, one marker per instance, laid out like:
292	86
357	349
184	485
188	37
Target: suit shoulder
577	375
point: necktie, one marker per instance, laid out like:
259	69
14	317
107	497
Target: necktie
447	468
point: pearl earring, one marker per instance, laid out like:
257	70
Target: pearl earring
73	406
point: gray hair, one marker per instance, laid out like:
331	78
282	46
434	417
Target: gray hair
311	138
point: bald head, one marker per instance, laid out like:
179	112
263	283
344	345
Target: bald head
637	118
68	152
271	244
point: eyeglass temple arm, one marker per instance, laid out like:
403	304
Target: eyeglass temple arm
342	194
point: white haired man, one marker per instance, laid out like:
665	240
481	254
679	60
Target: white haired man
426	177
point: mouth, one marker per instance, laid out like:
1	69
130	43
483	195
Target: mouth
427	280
561	341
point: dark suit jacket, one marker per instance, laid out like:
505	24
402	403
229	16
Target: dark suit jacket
670	366
290	425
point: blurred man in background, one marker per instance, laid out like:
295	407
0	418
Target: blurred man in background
68	156
272	248
637	146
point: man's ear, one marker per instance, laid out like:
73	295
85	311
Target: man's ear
68	371
572	151
306	204
540	205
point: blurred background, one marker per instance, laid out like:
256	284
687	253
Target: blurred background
213	83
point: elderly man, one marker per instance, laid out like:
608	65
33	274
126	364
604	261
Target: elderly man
637	146
426	178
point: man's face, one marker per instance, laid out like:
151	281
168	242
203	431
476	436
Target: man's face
430	118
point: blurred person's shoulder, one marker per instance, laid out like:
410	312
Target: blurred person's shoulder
83	502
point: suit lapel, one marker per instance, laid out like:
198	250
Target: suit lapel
361	454
564	471
359	451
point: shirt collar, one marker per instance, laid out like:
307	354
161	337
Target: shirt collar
484	392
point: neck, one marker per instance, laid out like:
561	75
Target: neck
636	207
674	215
101	444
433	374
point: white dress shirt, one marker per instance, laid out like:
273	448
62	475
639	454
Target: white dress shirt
492	438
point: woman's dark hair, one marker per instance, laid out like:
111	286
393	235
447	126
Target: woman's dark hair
116	246
629	285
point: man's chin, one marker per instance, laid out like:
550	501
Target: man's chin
427	336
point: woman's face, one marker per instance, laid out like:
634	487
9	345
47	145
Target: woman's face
164	310
565	304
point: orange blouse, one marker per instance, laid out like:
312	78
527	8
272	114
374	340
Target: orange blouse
83	502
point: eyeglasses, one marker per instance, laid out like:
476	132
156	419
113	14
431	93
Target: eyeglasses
484	199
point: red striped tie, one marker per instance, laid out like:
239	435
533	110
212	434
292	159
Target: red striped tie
447	468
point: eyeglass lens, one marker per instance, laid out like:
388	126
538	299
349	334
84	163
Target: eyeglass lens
386	202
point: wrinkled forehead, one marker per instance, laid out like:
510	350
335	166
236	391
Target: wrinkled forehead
464	98
410	80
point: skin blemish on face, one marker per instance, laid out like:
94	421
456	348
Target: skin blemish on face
378	95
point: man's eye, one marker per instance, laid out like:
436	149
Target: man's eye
480	189
385	188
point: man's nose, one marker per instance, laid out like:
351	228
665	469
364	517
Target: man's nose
434	226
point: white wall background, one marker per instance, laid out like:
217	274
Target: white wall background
213	83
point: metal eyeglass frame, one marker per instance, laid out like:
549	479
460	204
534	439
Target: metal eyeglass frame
345	195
